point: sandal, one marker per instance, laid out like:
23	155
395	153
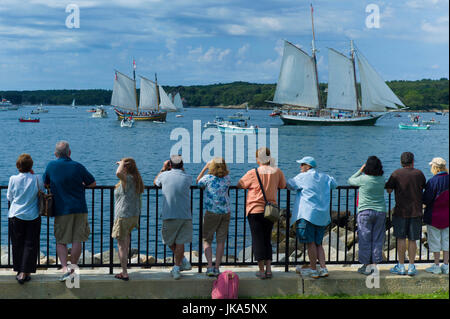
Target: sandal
120	276
260	275
268	275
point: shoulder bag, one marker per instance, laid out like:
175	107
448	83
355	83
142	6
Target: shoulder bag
271	211
45	202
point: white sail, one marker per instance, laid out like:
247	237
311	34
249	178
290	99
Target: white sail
177	101
73	103
297	83
166	104
341	82
170	97
148	98
124	93
375	94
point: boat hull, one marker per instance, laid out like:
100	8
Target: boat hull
237	130
413	127
159	117
22	120
320	121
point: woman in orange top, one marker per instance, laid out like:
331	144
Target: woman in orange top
272	179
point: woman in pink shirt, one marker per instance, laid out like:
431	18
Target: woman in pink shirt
272	179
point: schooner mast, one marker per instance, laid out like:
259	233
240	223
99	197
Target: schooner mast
352	50
314	58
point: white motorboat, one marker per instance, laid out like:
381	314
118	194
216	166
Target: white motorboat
127	122
237	126
100	113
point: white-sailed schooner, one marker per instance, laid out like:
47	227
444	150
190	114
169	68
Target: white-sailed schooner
298	86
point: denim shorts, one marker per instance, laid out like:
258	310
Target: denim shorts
309	233
410	228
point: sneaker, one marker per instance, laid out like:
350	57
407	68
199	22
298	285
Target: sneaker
65	276
308	272
216	272
185	265
364	270
323	272
435	269
412	271
444	269
298	270
210	272
175	272
398	270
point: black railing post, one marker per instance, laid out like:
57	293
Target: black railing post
288	212
111	223
200	230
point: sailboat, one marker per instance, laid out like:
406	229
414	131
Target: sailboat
298	86
152	99
73	104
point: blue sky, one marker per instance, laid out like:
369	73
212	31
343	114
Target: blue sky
210	41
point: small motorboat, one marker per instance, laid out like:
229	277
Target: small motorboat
438	113
29	120
92	110
217	121
275	112
413	126
100	112
430	122
239	116
127	122
237	126
179	115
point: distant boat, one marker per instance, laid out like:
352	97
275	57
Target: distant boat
237	128
127	122
178	102
5	105
100	112
217	121
430	122
438	113
29	120
179	115
275	112
92	110
73	103
39	109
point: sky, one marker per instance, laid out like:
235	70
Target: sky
200	42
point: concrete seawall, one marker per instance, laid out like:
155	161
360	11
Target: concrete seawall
157	283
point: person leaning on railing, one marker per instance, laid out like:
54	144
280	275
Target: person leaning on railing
436	216
371	216
272	179
408	184
217	204
176	213
127	208
67	180
312	213
23	218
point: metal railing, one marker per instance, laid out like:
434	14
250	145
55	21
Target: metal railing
147	250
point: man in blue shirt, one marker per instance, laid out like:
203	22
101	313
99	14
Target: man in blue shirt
67	180
312	212
176	211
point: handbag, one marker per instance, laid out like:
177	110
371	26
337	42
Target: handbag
271	211
45	202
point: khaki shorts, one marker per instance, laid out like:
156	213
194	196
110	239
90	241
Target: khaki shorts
176	231
215	223
73	228
123	226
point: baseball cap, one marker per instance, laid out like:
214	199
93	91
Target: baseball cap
176	159
438	161
308	160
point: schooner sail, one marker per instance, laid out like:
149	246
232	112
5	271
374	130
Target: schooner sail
178	102
124	99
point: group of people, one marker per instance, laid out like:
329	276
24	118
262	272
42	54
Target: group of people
67	180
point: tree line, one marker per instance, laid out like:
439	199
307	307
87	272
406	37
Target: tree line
421	94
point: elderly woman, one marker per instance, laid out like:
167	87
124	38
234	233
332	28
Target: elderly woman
371	213
272	179
217	205
24	220
127	208
436	216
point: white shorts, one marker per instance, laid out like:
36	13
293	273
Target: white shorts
437	239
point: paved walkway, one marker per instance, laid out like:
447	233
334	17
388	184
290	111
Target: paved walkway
158	283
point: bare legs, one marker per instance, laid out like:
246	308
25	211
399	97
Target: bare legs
178	253
412	249
123	246
316	252
219	253
63	252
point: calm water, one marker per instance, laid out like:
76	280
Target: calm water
99	143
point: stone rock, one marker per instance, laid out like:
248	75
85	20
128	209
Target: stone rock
4	259
296	255
169	260
335	240
106	257
248	254
143	260
281	257
292	241
392	240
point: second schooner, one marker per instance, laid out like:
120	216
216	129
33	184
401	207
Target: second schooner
153	101
298	86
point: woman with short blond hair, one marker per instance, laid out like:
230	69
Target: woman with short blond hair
24	221
127	208
436	201
217	205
